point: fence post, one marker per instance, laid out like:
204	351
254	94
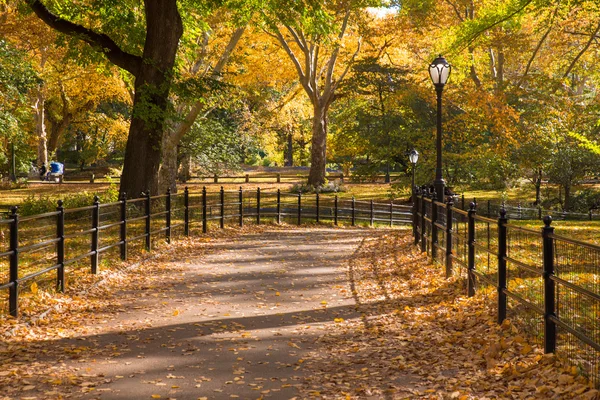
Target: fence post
372	216
278	177
463	201
434	228
540	212
549	287
423	211
216	178
13	300
449	232
317	207
471	254
520	212
95	234
489	209
247	178
148	210
299	208
502	249
204	222
60	248
353	211
257	206
241	198
168	215
415	221
279	206
391	213
222	208
335	210
123	230
186	211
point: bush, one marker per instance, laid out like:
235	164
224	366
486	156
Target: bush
329	187
43	203
584	200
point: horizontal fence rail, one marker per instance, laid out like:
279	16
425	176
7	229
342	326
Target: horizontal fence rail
520	211
547	283
47	245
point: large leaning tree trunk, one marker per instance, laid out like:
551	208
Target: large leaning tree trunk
153	72
175	131
315	70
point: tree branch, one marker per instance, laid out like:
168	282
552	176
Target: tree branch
587	46
233	41
539	45
105	44
301	74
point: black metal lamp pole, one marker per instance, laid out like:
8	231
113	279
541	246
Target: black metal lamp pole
439	70
413	157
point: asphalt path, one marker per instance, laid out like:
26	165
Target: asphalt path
239	322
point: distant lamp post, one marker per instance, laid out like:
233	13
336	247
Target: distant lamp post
439	70
413	157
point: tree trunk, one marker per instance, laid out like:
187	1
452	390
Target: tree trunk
40	129
318	150
152	86
289	153
185	169
168	167
538	188
566	204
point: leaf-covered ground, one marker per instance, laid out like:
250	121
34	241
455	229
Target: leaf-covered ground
269	312
419	336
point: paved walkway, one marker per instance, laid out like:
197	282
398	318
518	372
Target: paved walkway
238	322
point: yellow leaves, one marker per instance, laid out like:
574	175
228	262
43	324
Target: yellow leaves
324	303
34	288
338	320
175	313
526	349
155	396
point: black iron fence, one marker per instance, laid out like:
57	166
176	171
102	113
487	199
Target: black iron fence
520	211
51	243
547	283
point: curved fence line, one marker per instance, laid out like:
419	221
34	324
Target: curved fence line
546	283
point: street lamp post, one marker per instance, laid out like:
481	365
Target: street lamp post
439	70
413	157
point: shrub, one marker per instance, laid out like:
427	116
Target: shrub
43	203
328	187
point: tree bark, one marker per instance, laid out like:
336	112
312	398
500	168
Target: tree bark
40	129
185	168
567	203
168	167
538	188
318	150
289	153
152	86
